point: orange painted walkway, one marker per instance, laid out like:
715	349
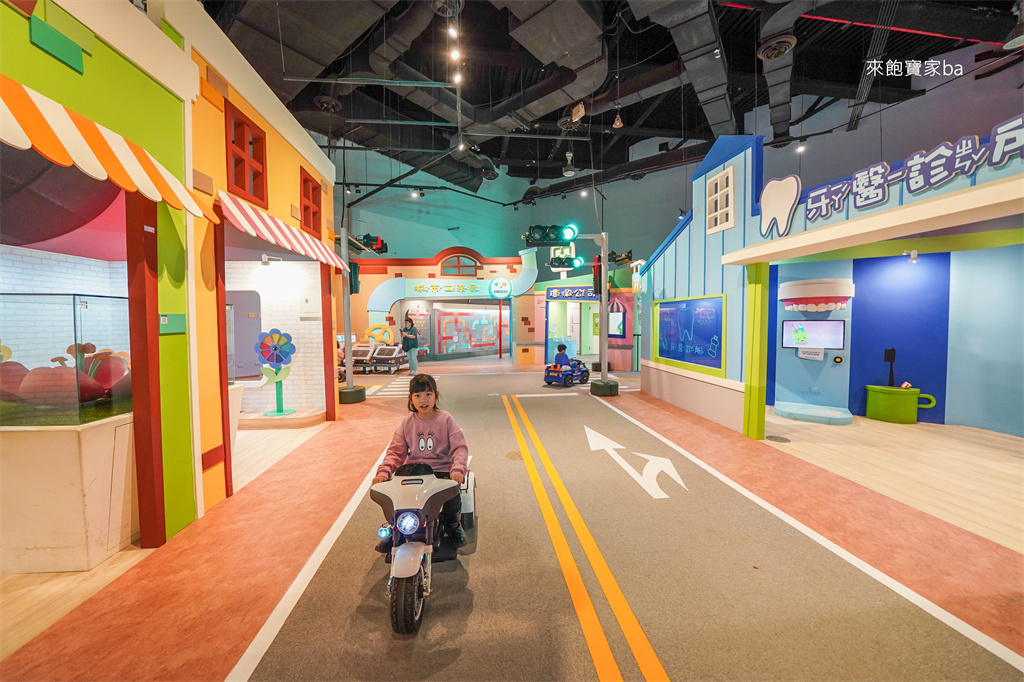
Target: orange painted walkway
188	611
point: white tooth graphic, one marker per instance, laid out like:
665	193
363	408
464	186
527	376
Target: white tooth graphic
778	201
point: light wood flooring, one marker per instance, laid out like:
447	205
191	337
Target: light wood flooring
969	477
31	602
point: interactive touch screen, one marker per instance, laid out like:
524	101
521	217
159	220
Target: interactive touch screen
813	334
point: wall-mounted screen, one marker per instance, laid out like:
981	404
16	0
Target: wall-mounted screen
692	331
341	339
828	334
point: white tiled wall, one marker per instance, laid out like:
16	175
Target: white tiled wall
281	286
39	328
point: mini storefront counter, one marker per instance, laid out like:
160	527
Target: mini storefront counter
69	496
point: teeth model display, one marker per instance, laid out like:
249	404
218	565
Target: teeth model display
816	295
778	201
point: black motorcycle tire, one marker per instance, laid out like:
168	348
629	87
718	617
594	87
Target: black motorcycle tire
407	604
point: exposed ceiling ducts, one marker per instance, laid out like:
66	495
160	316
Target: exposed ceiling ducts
776	51
695	31
527	64
309	41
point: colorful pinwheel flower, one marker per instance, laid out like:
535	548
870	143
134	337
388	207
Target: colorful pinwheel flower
275	348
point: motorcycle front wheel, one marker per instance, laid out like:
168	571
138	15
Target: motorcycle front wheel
407	604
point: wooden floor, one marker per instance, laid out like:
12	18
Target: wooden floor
31	602
969	477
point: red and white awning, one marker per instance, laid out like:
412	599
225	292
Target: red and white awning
251	220
31	120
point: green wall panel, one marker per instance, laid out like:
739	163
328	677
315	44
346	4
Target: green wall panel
111	91
175	413
176	434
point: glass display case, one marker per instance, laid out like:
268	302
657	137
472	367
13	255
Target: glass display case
65	359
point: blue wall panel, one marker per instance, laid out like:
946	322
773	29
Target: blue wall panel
905	306
985	371
671	276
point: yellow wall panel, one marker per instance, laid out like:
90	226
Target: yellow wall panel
214	490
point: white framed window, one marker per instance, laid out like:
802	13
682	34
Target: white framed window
721	201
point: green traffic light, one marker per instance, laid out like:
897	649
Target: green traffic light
569	232
577	262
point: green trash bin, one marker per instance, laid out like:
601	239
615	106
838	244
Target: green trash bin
896	405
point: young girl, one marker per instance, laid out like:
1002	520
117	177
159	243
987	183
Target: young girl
431	436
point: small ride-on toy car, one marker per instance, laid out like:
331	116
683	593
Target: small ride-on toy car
575	372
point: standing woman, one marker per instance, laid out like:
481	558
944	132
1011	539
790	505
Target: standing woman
410	342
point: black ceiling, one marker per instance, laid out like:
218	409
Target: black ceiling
611	48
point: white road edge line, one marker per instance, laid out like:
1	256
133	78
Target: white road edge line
968	631
265	637
545	395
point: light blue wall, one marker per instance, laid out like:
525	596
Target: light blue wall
985	371
813	382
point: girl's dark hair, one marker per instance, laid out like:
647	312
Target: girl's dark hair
421	383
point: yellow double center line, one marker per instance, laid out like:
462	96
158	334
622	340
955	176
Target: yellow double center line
604	661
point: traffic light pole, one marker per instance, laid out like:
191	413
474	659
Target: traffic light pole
351	393
604	387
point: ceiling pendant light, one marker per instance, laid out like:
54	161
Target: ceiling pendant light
618	121
568	171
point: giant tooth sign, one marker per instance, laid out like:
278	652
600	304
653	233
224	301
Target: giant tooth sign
778	203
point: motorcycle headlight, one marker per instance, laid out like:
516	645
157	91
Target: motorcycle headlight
383	532
407	522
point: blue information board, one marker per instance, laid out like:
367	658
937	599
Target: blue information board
690	330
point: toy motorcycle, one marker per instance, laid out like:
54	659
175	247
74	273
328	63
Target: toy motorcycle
412	501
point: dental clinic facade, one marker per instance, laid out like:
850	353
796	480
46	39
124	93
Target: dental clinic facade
712	313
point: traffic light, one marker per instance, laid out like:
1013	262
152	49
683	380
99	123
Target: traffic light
375	244
551	235
568	263
620	258
598	275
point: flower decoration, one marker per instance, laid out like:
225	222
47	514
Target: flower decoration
275	348
5	353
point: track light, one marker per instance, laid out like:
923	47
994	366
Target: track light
458	78
462	146
414	194
358	190
456	54
516	207
348	190
800	147
913	256
563	196
583	192
681	214
421	192
452	32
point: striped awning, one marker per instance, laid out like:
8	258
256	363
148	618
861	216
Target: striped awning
29	119
251	220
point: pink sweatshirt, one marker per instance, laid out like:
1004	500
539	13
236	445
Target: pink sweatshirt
438	442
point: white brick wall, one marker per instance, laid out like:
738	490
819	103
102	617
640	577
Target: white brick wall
280	286
38	328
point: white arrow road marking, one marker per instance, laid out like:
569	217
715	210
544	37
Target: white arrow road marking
648	480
